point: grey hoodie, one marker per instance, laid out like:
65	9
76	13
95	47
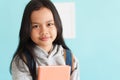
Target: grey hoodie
56	57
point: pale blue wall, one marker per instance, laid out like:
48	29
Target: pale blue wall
97	42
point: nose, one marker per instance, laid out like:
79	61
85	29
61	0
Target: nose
43	30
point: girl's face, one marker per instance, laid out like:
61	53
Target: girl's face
43	31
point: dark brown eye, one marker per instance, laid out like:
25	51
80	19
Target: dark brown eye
50	24
35	26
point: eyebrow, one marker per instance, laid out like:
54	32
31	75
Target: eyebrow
50	20
34	23
46	21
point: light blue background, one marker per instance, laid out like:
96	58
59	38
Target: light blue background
97	42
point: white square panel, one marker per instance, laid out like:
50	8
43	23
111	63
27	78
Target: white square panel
66	11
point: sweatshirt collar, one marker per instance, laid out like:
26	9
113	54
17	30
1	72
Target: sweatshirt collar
57	49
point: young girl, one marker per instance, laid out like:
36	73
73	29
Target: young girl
41	42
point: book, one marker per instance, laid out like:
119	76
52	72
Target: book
54	72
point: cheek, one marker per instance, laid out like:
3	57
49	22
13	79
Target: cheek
32	37
34	34
54	32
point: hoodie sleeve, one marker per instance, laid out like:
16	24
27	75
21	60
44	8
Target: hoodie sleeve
20	72
75	73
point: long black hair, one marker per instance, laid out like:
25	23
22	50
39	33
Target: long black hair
26	45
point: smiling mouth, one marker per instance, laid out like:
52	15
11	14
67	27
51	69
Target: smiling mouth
44	38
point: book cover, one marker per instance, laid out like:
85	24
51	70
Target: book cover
54	72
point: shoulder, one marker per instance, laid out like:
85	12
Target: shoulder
70	58
19	65
20	70
74	61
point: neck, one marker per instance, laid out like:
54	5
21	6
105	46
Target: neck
47	48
